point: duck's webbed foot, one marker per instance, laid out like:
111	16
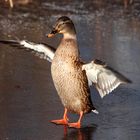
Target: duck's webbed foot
78	123
62	121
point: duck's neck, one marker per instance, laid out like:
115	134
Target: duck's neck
68	46
69	36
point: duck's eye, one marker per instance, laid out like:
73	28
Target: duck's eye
62	23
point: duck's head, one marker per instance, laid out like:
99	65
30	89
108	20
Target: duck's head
63	25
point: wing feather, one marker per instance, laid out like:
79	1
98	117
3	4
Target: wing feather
103	77
43	51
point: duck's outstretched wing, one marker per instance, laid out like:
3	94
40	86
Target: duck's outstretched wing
42	50
103	77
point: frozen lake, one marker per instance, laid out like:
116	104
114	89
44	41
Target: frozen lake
28	99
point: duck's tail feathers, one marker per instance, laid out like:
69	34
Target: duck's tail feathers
95	111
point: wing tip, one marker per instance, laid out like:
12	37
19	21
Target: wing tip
10	42
125	80
120	76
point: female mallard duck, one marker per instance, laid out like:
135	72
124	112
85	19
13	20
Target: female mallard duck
72	77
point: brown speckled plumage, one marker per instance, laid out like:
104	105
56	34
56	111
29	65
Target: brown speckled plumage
69	79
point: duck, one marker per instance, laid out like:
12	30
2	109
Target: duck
10	2
127	2
22	2
71	76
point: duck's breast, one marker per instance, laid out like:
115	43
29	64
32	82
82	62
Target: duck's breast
71	83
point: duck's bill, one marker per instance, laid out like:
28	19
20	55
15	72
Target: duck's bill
52	34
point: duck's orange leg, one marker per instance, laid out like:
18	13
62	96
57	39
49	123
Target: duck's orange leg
62	121
78	123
